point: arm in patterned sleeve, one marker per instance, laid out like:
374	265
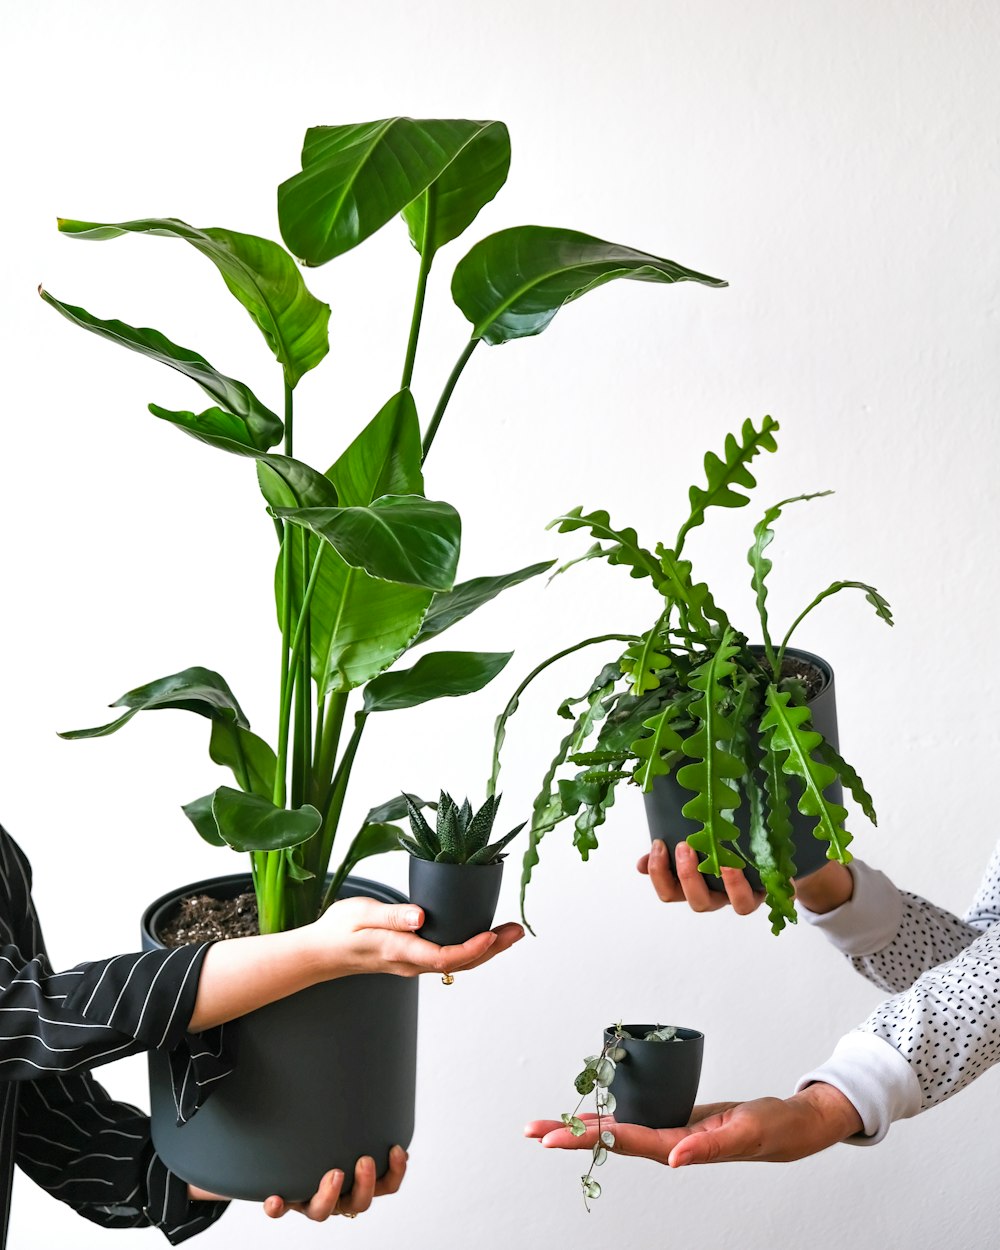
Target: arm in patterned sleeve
891	937
95	1155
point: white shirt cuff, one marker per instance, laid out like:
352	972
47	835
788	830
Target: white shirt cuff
875	1077
868	921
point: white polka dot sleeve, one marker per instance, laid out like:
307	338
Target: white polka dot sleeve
942	1028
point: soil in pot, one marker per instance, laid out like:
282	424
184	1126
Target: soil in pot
656	1083
667	798
321	1077
459	900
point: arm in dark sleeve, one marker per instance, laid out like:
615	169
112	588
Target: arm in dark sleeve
95	1155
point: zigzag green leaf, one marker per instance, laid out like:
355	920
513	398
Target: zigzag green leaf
849	778
715	769
695	597
771	842
790	736
724	475
644	663
662	739
763	536
626	549
878	602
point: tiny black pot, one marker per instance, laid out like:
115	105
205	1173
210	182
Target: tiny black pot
657	1082
459	900
664	802
321	1078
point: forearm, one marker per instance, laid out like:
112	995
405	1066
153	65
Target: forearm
241	974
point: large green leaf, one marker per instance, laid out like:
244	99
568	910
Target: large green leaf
451	606
289	483
197	690
253	423
251	759
398	538
442	674
200	814
261	275
371	839
513	283
248	822
477	172
357	177
385	457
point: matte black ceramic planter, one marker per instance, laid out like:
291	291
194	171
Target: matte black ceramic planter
459	900
322	1078
656	1084
664	803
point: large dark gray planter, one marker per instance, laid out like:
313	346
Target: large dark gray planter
656	1084
664	802
322	1078
459	900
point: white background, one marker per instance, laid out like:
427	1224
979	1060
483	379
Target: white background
838	164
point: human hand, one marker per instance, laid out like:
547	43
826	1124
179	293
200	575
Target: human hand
359	935
326	1201
766	1130
689	885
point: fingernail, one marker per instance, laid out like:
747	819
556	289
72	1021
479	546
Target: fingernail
412	918
683	850
657	849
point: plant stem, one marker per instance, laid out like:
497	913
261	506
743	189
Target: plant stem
449	386
292	667
279	792
426	257
511	708
328	741
331	817
303	683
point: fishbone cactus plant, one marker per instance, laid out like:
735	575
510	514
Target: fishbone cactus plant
692	696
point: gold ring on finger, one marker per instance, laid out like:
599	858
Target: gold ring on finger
447	979
349	1215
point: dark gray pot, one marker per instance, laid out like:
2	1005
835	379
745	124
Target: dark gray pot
459	900
664	803
322	1078
656	1084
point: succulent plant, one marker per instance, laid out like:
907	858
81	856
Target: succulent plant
460	837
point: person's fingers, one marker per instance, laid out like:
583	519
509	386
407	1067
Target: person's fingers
715	1140
275	1207
400	917
363	1190
475	950
642	865
700	898
390	1181
742	897
506	935
629	1139
324	1201
661	875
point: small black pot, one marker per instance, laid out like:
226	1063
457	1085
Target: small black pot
664	802
321	1078
657	1082
459	900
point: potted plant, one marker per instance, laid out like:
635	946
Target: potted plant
733	743
455	871
655	1070
366	572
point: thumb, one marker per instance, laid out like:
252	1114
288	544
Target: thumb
714	1145
400	917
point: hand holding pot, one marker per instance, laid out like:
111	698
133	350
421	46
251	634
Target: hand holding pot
766	1130
689	885
327	1200
359	935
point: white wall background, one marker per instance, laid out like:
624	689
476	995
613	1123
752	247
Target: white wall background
838	163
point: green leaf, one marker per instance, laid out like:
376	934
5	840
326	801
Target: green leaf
253	423
472	178
398	538
662	739
197	690
294	867
248	822
771	840
452	606
423	835
585	1082
511	284
849	778
261	275
442	674
289	483
384	459
724	476
626	550
715	769
250	758
492	854
763	536
575	1125
199	812
395	809
357	177
214	426
479	828
371	839
697	605
644	662
790	736
448	836
878	602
